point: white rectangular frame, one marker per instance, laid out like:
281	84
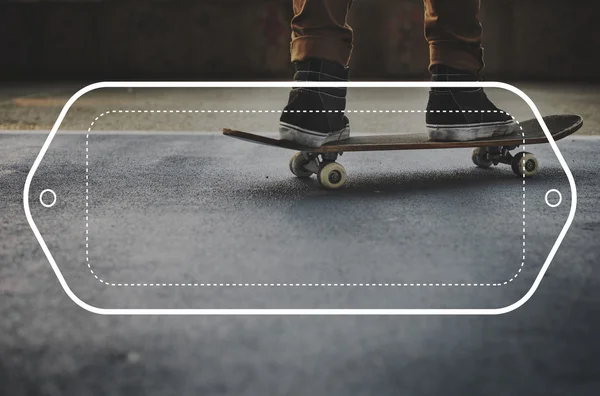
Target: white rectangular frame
290	84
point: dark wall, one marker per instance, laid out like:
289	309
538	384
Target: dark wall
248	39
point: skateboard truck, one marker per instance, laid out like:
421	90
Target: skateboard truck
523	163
330	174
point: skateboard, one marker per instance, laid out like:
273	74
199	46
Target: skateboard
486	152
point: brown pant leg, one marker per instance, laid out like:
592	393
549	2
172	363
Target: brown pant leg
454	33
320	30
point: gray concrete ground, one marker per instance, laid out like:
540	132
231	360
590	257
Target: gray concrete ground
184	207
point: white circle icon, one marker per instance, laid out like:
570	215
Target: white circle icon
559	198
48	205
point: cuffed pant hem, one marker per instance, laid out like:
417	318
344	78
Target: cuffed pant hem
330	50
468	59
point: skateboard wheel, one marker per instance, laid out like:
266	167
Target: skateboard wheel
331	175
297	162
524	164
480	158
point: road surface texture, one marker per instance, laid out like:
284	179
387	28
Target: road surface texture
169	206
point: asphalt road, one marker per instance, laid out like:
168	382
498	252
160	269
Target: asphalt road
200	208
51	346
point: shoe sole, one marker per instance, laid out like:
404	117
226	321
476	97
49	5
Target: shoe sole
310	138
467	132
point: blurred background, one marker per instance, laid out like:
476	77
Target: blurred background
249	39
53	48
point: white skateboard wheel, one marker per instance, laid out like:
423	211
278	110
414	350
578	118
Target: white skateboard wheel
297	162
524	164
331	176
479	157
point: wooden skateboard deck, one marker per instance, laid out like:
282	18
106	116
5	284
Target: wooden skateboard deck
487	152
560	126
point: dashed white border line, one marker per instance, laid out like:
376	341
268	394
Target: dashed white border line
301	311
287	284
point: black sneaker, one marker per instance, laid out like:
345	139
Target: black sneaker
462	114
315	116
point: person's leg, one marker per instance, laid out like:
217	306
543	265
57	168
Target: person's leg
320	51
454	33
320	30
